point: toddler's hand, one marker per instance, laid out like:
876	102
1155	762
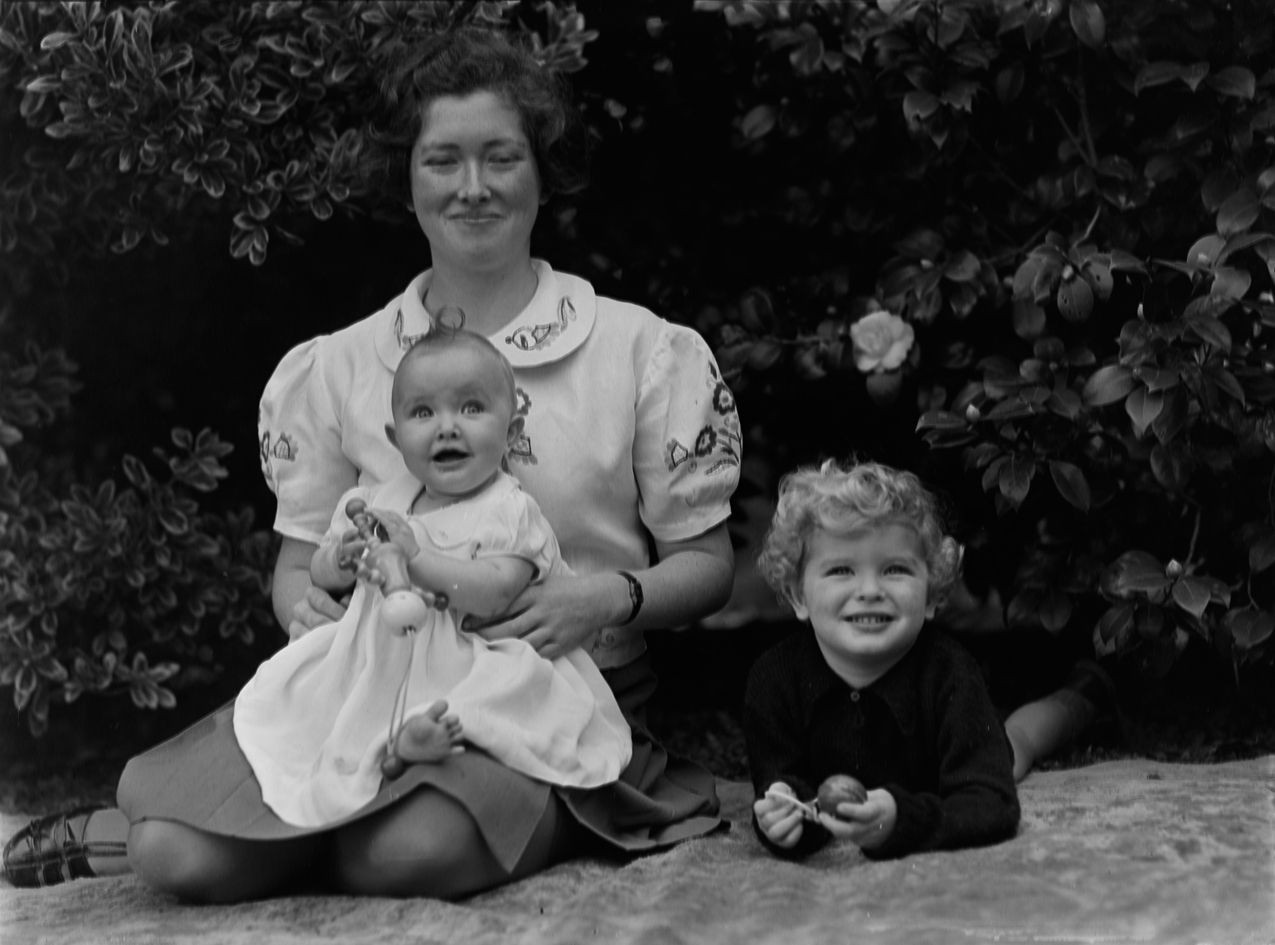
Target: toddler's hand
866	825
781	822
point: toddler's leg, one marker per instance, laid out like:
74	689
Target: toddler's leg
202	867
1041	728
428	845
431	736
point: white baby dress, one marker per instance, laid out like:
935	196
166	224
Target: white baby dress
314	721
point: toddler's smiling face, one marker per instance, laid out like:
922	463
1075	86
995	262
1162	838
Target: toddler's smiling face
866	594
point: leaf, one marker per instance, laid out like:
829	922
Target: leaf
919	105
1192	594
1071	484
1136	572
1205	251
1261	554
1250	628
1075	300
962	267
1016	478
1088	22
1065	403
1156	73
941	420
1055	610
1238	212
1114	629
1235	81
1211	330
1231	283
1172	468
1107	385
1225	380
1143	407
884	387
758	122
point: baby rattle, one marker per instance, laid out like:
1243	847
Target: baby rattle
403	610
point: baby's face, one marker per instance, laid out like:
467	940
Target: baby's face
452	416
865	594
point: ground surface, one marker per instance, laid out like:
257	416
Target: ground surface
1125	851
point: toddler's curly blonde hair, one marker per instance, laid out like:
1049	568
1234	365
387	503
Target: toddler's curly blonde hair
843	499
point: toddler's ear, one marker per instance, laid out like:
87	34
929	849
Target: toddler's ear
391	435
515	429
798	605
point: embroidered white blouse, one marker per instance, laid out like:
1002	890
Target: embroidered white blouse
629	427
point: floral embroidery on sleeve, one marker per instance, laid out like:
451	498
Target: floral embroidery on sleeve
717	443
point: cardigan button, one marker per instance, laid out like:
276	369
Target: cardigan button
854	696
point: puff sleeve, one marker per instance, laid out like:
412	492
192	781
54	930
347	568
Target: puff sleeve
517	527
686	449
299	435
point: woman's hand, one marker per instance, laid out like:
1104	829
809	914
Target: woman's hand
780	822
313	610
562	613
866	825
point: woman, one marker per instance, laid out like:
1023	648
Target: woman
629	435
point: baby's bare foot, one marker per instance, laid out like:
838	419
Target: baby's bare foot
429	737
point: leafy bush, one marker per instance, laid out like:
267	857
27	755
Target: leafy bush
113	590
166	109
1078	199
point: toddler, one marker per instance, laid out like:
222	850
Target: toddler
318	721
868	690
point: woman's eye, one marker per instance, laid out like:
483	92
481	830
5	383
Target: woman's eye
504	158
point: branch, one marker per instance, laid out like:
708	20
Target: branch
1084	107
1195	533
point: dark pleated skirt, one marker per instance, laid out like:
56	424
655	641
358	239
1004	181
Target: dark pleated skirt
201	778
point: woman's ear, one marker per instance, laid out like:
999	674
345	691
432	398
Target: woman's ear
515	429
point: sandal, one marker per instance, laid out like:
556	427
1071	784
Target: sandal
47	851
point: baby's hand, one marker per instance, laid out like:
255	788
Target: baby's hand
866	825
350	549
399	532
780	821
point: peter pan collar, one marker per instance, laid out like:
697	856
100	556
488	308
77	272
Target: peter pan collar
555	322
897	688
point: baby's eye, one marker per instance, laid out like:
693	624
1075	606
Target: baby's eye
472	407
422	413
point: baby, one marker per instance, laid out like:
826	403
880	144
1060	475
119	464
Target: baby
319	723
868	691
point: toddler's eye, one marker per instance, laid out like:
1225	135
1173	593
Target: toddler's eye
903	569
838	570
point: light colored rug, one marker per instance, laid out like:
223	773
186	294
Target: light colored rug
1129	851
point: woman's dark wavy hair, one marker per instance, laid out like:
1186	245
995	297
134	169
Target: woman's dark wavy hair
461	62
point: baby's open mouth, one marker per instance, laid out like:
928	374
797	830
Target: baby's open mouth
450	456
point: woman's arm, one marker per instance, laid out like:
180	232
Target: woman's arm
691	580
299	606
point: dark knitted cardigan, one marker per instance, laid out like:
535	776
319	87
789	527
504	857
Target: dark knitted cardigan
925	731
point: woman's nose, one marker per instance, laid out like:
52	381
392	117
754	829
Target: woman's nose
473	185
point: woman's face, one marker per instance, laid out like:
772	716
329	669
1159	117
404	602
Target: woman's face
475	188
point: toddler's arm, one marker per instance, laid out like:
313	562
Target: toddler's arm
974	801
483	587
776	760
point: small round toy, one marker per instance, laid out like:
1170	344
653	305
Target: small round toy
840	789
